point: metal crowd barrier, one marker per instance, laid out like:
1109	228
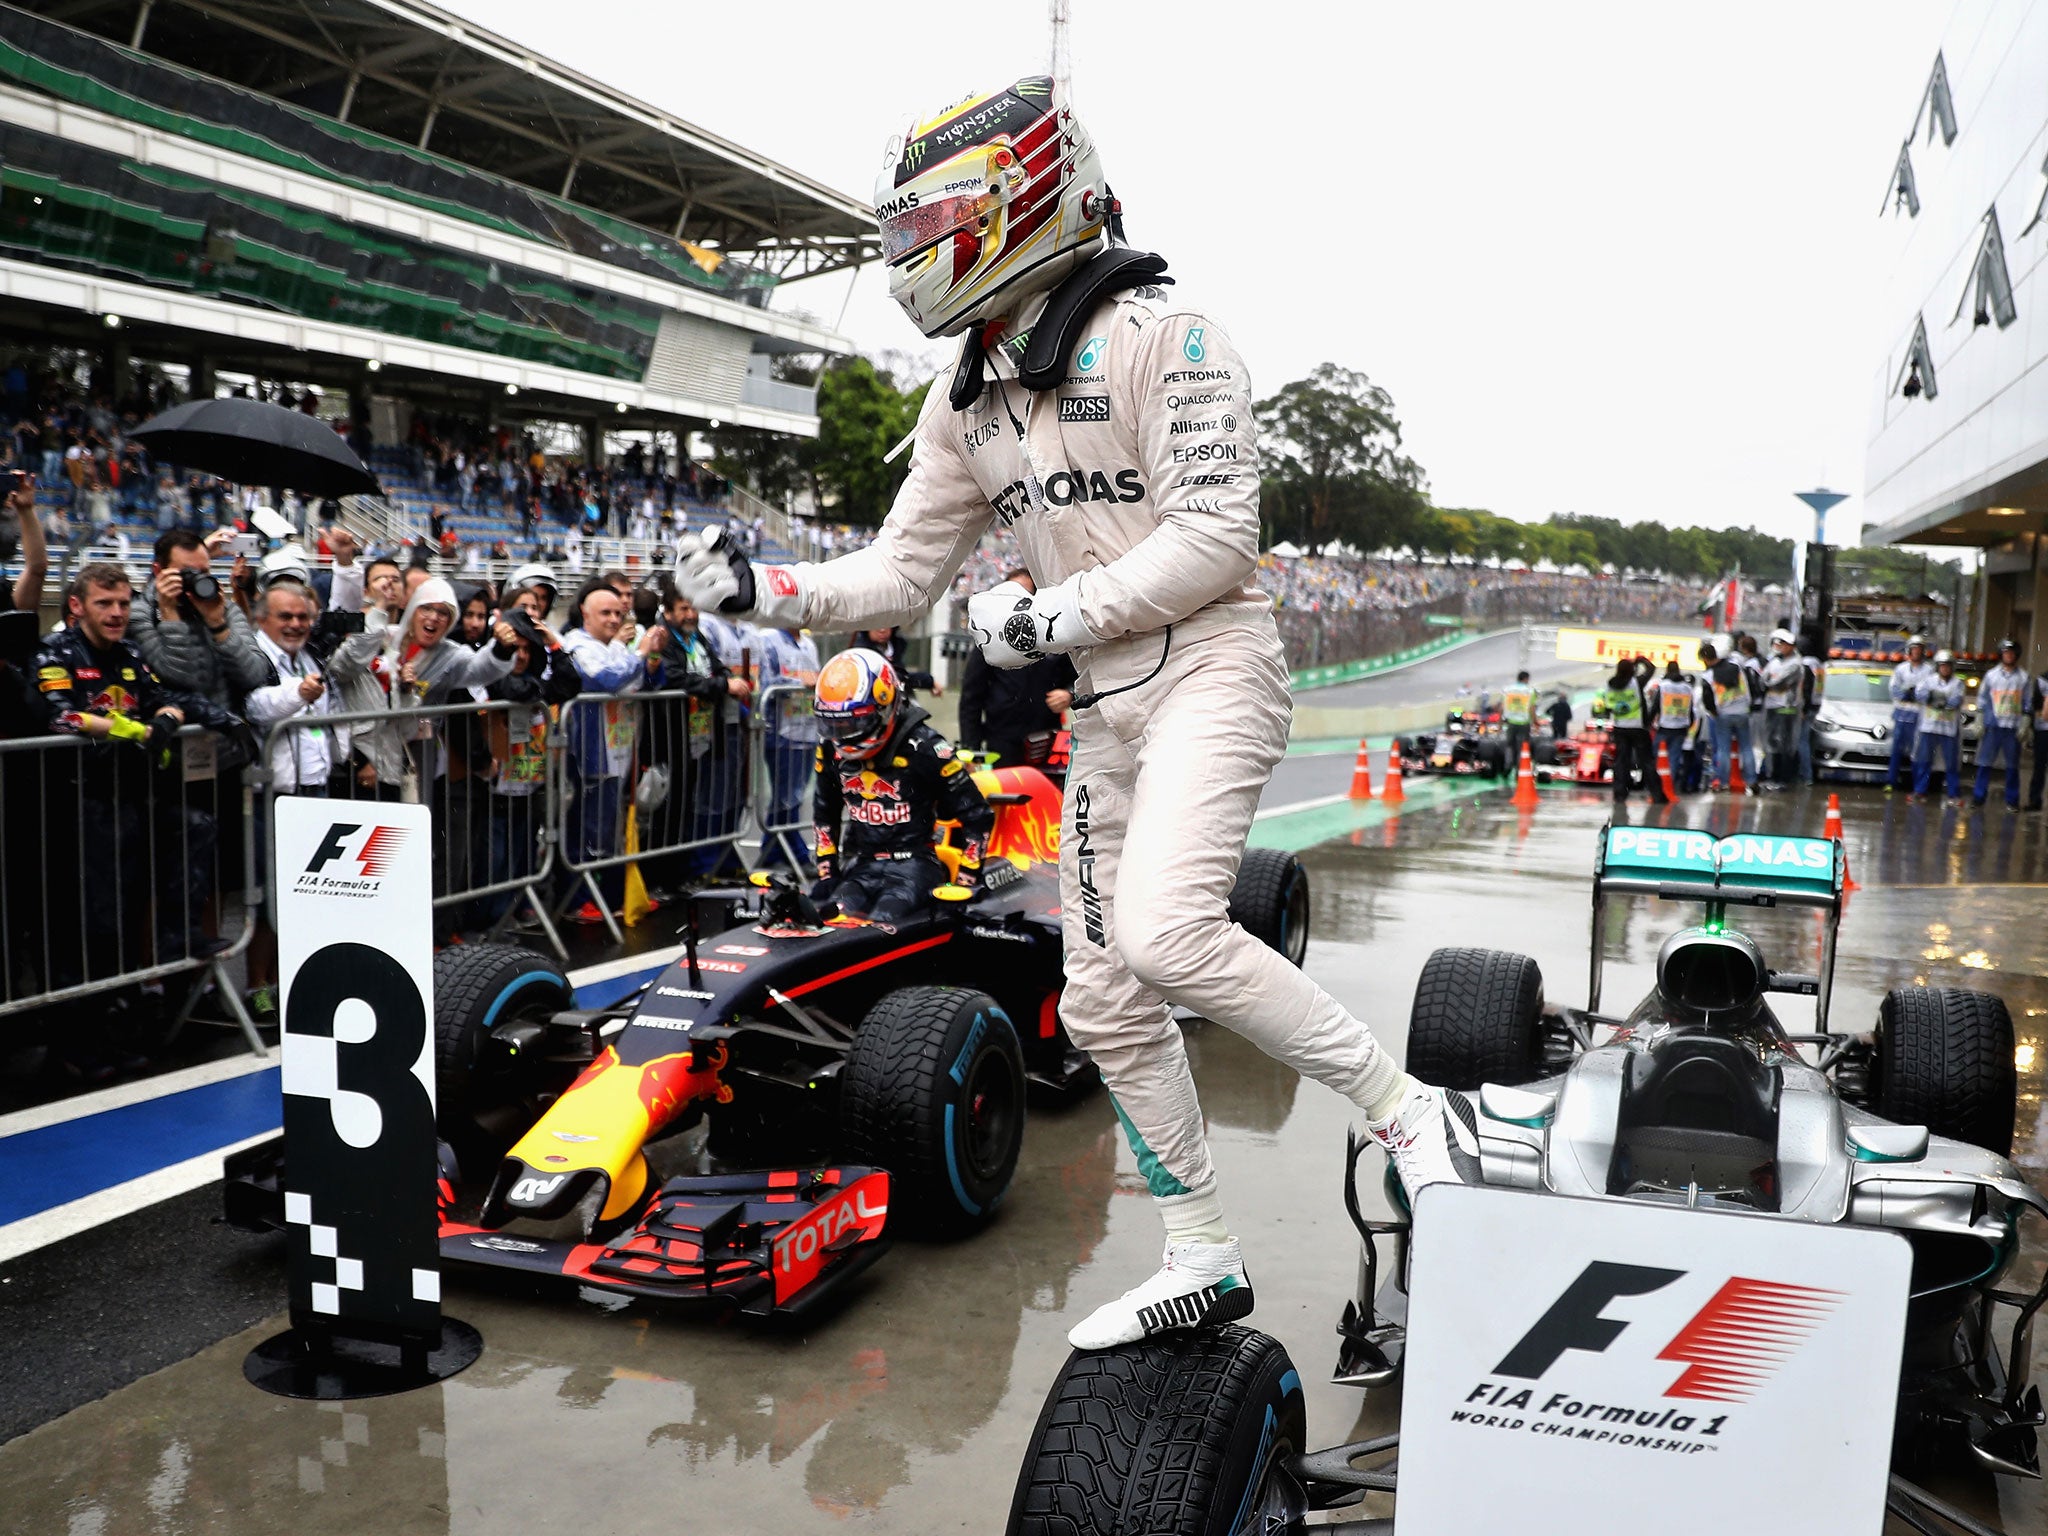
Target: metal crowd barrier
112	875
633	768
484	769
112	871
787	772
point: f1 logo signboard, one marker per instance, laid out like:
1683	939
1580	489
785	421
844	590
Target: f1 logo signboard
355	953
1608	1367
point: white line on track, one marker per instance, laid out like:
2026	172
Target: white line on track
1300	805
105	1205
121	1095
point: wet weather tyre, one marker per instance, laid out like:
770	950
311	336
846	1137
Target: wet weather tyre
477	987
1478	1018
1944	1060
1270	901
933	1091
1189	1435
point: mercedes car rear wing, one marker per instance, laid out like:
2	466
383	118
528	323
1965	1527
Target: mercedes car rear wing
1747	869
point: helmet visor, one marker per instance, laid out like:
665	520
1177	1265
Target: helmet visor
852	728
907	231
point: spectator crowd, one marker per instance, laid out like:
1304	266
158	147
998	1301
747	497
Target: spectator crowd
1324	584
366	679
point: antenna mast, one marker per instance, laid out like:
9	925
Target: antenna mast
1062	60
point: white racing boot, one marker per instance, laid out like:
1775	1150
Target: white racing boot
1200	1284
1433	1138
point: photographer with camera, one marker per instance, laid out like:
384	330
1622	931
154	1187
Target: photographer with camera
189	632
198	640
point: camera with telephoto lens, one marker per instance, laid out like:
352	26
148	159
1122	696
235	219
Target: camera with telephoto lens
201	587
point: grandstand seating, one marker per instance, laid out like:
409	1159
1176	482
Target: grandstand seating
414	501
49	57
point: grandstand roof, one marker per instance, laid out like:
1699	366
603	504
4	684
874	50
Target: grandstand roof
422	76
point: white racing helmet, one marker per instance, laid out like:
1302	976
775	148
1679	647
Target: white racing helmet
987	202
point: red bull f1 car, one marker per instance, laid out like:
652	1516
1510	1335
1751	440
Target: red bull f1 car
1473	741
852	1078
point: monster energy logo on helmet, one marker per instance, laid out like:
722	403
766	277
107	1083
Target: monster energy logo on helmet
1009	111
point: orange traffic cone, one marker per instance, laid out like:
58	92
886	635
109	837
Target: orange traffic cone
1525	779
1736	783
1832	830
1664	770
1393	794
1361	773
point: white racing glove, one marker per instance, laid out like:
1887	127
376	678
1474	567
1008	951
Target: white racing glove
716	576
1014	627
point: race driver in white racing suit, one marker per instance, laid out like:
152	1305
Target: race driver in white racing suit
1111	431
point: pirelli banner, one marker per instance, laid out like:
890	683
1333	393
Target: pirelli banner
1611	646
1614	1367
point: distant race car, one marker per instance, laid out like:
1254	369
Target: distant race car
1473	741
1585	757
798	1035
1697	1098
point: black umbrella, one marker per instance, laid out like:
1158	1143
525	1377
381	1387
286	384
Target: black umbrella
255	443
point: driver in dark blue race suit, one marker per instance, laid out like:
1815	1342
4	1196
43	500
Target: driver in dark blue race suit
887	778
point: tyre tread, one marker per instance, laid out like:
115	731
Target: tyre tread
465	978
894	1079
1946	1062
1257	900
1135	1439
1476	1019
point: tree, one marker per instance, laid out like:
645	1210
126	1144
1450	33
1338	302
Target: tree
1702	553
863	412
1334	467
1881	568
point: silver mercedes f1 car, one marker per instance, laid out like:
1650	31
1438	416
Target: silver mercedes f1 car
1696	1097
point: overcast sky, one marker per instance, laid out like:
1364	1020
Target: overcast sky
1619	259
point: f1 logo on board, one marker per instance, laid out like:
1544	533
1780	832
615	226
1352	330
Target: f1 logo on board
371	852
1729	1349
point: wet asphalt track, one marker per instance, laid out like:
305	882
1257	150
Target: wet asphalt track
908	1410
1485	665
